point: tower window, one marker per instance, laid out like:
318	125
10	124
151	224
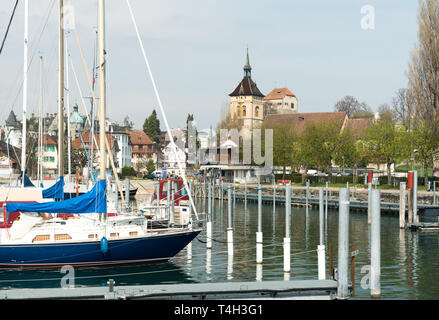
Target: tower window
292	106
244	112
257	112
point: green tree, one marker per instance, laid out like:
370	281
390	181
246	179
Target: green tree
150	166
79	159
190	119
384	142
151	126
345	152
320	143
284	144
424	140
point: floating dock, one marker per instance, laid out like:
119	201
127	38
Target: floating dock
263	290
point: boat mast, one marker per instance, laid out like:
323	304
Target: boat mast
69	138
102	94
40	126
23	138
61	92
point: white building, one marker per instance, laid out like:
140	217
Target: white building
124	154
50	154
170	161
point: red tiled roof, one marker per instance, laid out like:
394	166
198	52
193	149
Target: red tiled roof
87	140
139	137
299	121
358	126
50	140
279	93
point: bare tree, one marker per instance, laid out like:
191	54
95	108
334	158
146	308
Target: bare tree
423	71
423	74
400	105
385	111
353	107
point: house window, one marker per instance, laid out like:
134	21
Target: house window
292	106
140	148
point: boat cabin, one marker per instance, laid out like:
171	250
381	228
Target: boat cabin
179	190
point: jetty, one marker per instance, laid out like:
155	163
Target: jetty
264	290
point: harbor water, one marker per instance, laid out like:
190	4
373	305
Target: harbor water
409	260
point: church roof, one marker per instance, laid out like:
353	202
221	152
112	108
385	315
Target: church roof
247	87
278	93
75	117
11	121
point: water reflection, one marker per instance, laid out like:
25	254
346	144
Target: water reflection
167	272
409	260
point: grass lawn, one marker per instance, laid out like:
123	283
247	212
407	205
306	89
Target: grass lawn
406	168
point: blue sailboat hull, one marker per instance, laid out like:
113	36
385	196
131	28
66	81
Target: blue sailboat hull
122	251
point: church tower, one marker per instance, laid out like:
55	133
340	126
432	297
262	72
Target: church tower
246	101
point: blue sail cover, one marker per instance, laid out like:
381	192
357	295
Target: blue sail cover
93	201
56	191
27	182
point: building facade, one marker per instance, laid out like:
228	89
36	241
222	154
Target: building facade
143	150
87	139
124	154
50	154
281	101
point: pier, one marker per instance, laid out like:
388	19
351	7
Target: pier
298	289
357	205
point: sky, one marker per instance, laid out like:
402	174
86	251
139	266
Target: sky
318	49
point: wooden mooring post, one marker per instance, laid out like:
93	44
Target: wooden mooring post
343	244
410	198
321	247
415	197
402	195
331	262
375	245
306	196
287	239
209	218
353	254
259	254
369	201
229	225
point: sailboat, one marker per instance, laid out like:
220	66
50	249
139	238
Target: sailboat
90	237
18	193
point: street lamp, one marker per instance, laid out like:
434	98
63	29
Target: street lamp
415	151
